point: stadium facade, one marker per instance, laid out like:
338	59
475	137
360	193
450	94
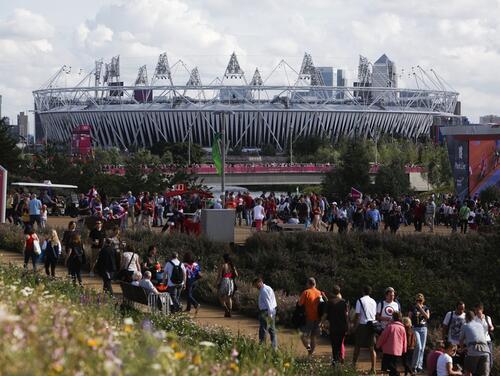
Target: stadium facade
255	113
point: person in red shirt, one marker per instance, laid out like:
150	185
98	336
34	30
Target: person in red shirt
392	341
433	357
310	300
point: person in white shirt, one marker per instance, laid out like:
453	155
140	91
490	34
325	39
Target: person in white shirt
258	214
366	310
453	322
175	276
488	327
387	307
267	312
136	277
444	365
146	283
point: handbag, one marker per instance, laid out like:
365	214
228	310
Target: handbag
125	275
37	250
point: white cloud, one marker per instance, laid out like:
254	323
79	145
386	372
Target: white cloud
23	24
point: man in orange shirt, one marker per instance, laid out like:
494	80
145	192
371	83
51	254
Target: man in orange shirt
310	299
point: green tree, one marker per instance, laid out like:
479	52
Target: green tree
268	150
490	194
352	170
10	154
392	179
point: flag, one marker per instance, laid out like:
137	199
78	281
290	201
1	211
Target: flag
355	194
216	154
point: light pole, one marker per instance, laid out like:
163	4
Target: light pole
223	114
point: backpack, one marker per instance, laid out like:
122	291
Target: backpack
177	277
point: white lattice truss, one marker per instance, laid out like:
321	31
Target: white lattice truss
265	114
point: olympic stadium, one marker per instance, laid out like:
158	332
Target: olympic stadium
253	113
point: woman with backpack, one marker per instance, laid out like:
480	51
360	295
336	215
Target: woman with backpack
225	282
30	247
75	259
52	248
193	273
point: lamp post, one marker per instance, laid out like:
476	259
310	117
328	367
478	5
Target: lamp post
223	114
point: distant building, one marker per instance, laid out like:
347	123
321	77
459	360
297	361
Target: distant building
341	82
489	119
384	75
327	75
22	123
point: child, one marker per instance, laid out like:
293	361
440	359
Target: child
444	365
43	216
410	345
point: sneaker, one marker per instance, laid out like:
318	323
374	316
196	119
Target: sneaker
196	310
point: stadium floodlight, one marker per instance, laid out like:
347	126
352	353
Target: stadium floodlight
309	73
98	71
256	79
194	78
364	71
162	71
142	76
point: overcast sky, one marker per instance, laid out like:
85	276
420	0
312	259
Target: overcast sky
459	39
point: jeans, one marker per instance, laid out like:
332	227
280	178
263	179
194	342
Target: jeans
159	215
267	324
50	263
30	255
420	340
336	340
248	217
76	273
175	295
191	301
106	283
463	225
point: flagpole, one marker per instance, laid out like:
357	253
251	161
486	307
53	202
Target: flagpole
223	114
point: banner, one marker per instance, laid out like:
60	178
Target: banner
458	151
355	194
3	193
216	153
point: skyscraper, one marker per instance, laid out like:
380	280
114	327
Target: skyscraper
22	123
327	75
383	75
341	82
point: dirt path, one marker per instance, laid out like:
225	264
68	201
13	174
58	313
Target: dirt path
210	316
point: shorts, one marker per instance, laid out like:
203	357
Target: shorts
365	336
477	365
311	328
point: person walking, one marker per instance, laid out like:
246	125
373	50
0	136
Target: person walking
129	263
392	341
96	237
193	272
420	315
488	326
131	207
451	328
387	307
366	309
310	300
52	248
106	266
258	214
477	360
373	217
267	312
30	247
337	311
226	285
430	213
35	207
174	274
463	217
75	259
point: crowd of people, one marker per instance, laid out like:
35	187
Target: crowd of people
400	335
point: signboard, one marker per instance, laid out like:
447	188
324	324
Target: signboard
484	169
355	194
3	193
